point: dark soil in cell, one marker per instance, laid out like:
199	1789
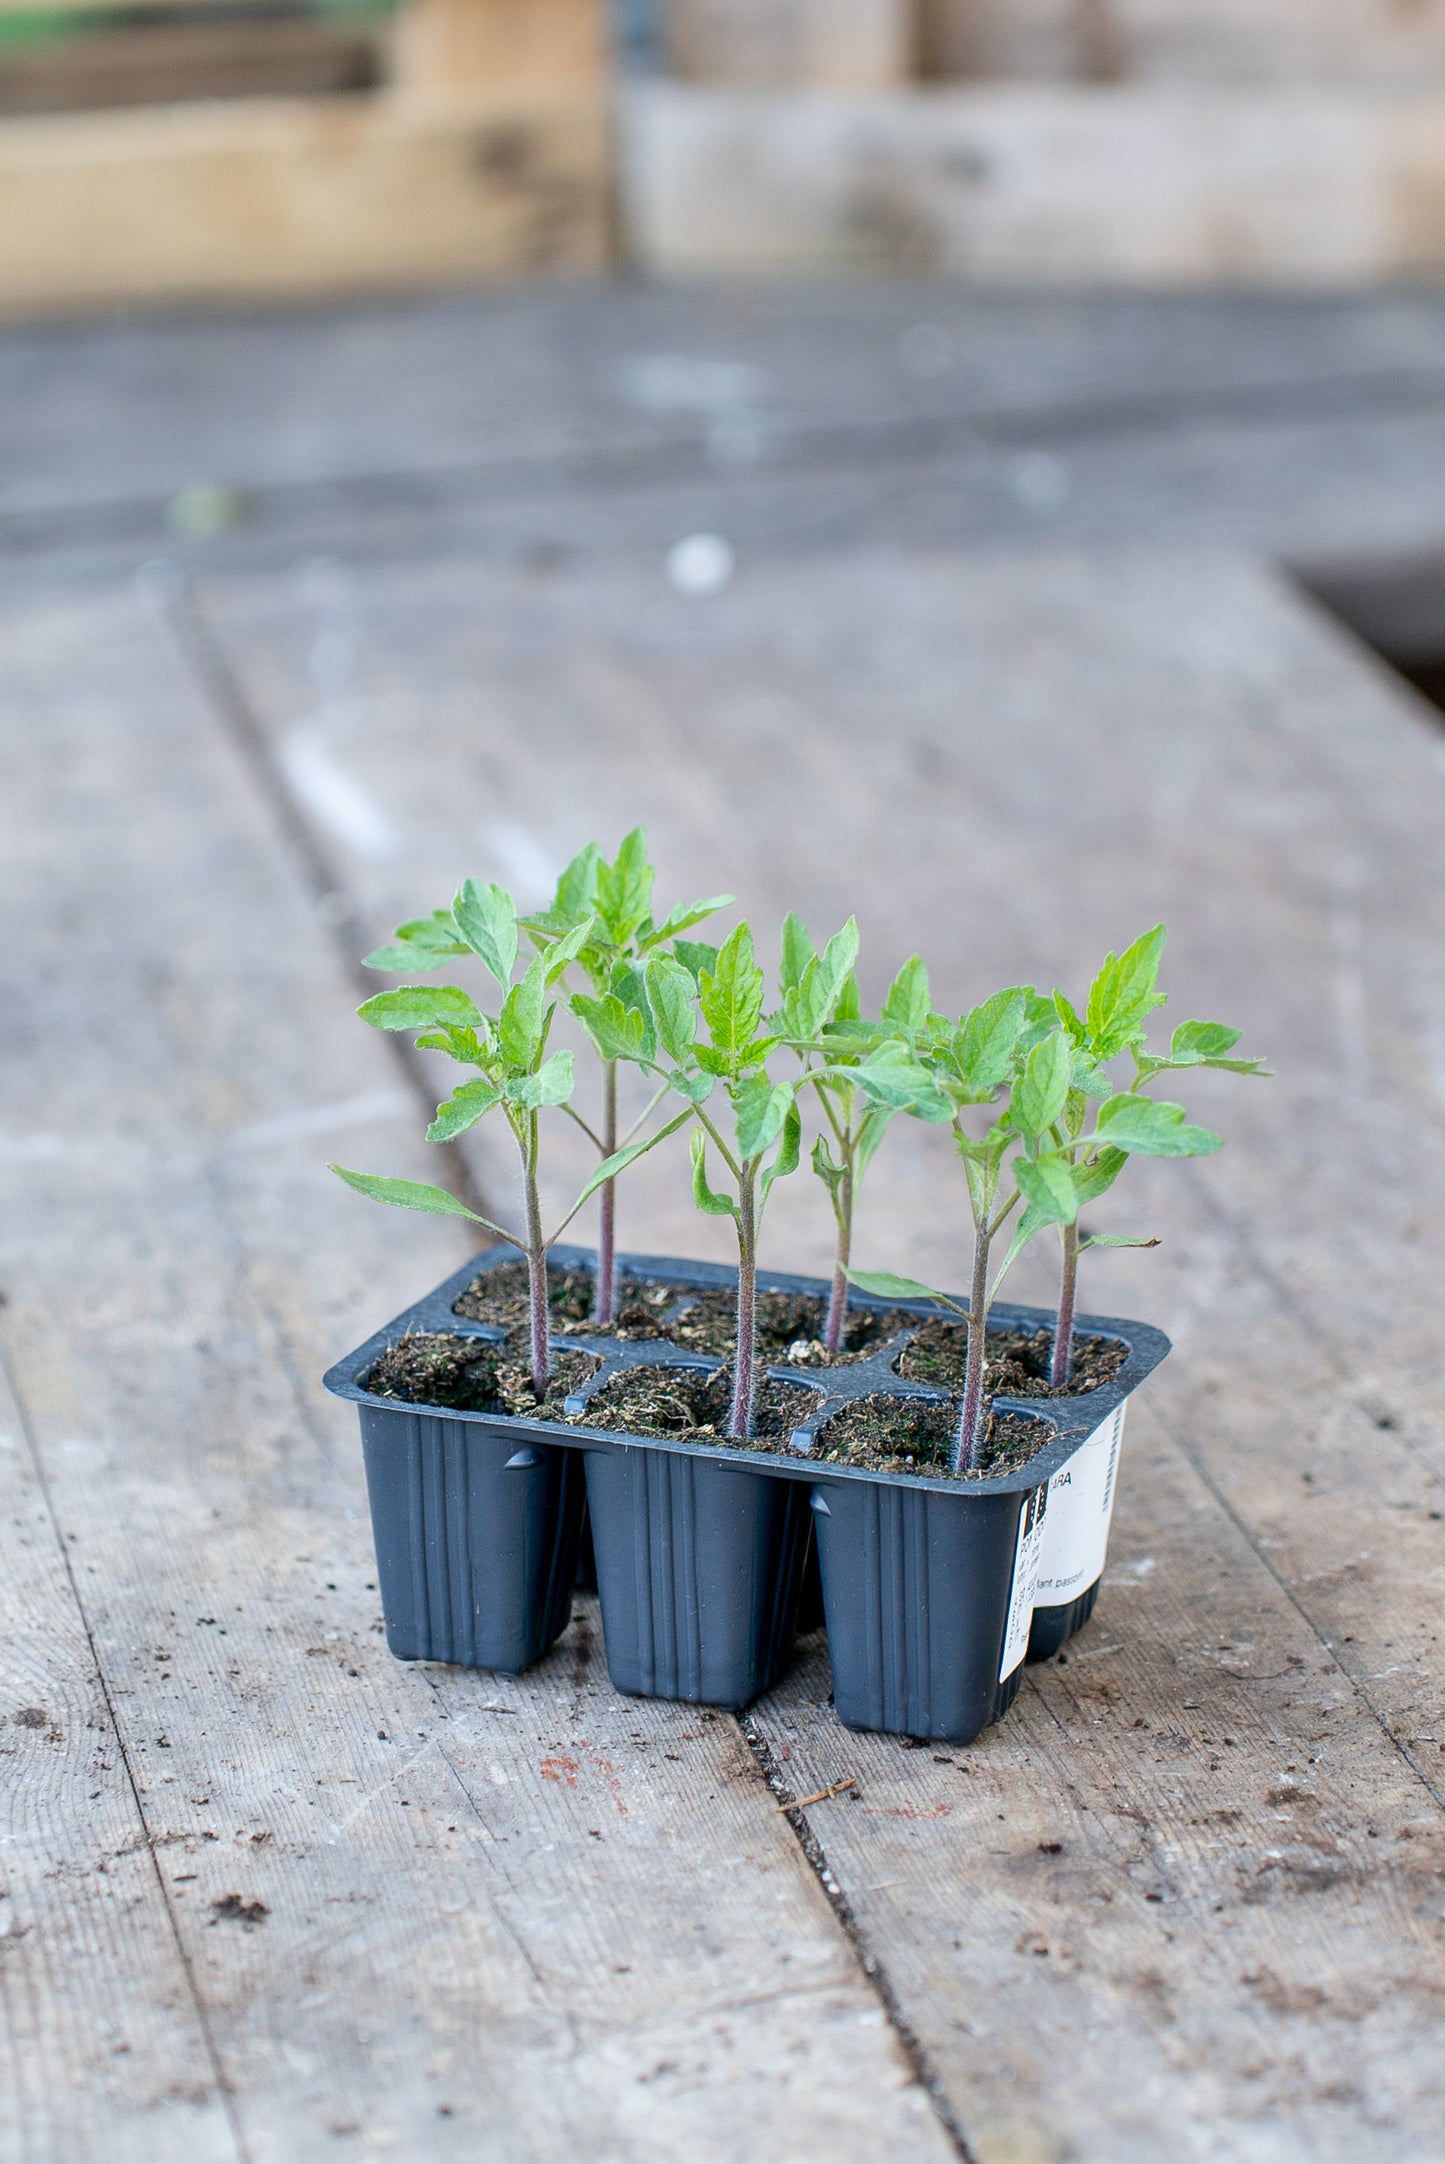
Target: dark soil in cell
465	1375
688	1405
789	1324
916	1435
1017	1364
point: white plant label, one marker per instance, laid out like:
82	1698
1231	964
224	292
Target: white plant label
1026	1570
1081	1503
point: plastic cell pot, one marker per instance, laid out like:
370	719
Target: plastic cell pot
933	1589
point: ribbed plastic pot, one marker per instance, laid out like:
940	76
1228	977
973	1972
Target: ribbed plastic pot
933	1589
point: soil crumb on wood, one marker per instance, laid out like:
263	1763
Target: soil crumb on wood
1017	1362
688	1405
790	1324
916	1435
465	1375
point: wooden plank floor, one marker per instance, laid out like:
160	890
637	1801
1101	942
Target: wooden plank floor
268	1894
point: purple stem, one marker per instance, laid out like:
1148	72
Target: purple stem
606	1294
970	1419
1064	1327
838	1299
536	1274
740	1422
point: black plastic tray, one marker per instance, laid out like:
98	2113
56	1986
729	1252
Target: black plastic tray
928	1583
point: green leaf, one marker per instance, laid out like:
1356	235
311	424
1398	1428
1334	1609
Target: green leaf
1047	1186
470	1102
624	889
577	887
835	966
1204	1044
985	1040
887	1286
1028	1228
521	1023
1086	1075
1145	1128
1123	994
789	1150
1074	1025
891	1076
421	1006
679	919
696	957
1113	1239
696	1088
621	1159
829	1171
908	1002
486	917
798	952
871	1129
672	996
707	1198
616	1031
406	1194
550	1085
463	1045
1042	1090
731	996
760	1110
1097	1175
422	944
562	953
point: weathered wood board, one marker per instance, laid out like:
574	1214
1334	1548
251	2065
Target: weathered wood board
287	1894
1016	760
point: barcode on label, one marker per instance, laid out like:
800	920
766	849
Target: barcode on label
1026	1570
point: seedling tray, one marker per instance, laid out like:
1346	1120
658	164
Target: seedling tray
930	1585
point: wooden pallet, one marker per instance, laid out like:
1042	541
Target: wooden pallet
484	153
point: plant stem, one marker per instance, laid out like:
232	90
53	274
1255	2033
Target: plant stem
1064	1327
606	1293
970	1419
741	1419
536	1265
838	1301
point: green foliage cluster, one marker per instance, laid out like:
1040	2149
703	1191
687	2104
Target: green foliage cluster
1027	1085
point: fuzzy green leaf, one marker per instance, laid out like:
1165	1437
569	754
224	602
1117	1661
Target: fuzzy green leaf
421	1006
1145	1128
406	1194
621	1159
696	957
486	917
798	952
1113	1239
706	1197
563	952
468	1103
1042	1090
521	1023
1047	1186
672	997
682	918
624	889
618	1032
789	1150
985	1041
908	1002
550	1085
1098	1175
1205	1044
891	1076
1123	993
887	1285
422	944
871	1129
760	1110
731	996
829	1171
